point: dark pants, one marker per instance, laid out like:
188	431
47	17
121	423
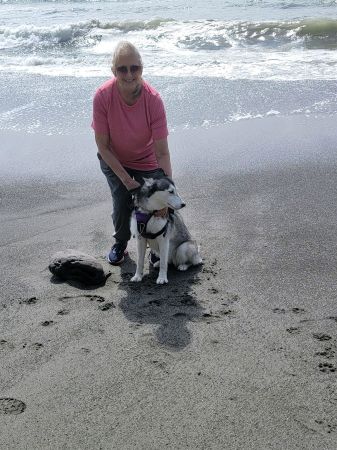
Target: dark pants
121	198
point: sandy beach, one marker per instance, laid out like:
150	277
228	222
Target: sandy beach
237	354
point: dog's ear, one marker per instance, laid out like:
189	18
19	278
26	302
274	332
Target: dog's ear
148	182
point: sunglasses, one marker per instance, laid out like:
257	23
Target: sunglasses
124	69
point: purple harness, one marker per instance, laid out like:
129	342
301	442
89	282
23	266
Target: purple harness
142	221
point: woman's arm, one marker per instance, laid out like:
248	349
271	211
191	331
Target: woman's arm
163	156
102	141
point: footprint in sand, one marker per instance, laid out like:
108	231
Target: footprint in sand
11	406
28	301
321	337
85	350
213	290
154	303
5	345
181	315
46	323
293	330
163	365
63	312
333	318
210	271
326	368
327	427
35	346
107	306
90	297
232	298
294	310
327	353
209	317
97	298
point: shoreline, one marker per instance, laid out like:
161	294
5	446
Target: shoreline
239	353
236	147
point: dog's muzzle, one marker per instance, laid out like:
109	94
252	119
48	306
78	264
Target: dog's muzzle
177	206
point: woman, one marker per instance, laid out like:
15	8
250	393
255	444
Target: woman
130	127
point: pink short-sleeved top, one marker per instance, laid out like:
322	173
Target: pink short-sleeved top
132	129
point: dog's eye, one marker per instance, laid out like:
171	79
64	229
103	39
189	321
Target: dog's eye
171	191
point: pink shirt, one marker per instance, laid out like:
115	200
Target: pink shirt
132	129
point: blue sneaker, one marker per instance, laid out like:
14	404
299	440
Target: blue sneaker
153	258
117	253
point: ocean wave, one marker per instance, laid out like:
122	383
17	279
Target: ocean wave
29	36
202	35
287	5
81	33
37	61
127	26
217	35
309	34
214	42
320	33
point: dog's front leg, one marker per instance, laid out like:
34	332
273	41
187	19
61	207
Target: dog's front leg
141	249
163	253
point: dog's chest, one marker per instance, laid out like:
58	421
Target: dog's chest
142	223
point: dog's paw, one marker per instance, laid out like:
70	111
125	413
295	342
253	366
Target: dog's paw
136	278
183	267
161	280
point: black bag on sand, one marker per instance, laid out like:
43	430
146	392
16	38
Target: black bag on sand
71	265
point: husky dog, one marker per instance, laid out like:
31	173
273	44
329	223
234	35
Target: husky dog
167	237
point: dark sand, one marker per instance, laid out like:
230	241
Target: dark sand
239	354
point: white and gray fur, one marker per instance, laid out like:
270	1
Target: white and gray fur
176	246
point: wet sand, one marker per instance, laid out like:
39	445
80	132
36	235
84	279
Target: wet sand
239	353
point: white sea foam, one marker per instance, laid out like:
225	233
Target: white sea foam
272	112
28	36
37	61
208	48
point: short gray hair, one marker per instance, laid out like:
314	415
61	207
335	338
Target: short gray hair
124	48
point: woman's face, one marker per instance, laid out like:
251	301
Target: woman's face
128	72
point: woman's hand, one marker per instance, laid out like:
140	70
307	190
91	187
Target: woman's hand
131	184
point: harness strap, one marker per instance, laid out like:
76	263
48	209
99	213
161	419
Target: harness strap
142	231
142	220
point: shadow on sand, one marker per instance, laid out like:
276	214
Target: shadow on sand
169	307
54	279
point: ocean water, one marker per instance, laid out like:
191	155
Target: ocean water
213	62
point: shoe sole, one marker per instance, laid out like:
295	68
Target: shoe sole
117	263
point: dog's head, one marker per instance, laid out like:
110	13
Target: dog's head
157	194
